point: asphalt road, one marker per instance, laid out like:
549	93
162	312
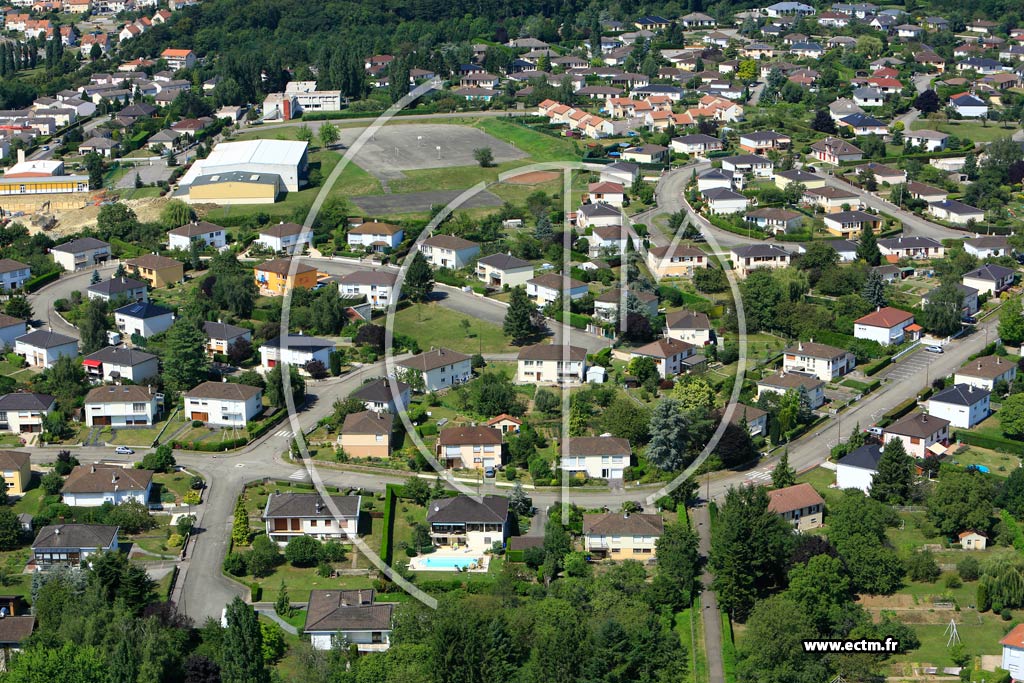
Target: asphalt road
709	613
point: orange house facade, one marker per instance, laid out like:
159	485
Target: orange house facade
274	277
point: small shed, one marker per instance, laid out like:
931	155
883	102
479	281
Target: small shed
596	375
973	540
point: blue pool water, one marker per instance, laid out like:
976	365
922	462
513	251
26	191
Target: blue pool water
446	562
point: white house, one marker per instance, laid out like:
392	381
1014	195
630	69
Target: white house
84	252
990	279
1013	652
713	178
71	545
295	349
912	247
886	326
468	522
449	251
551	364
608	303
607	240
13	274
24	412
724	201
823	361
348	616
143	318
671	356
118	363
922	435
697	143
289	515
290	238
987	246
952	211
783	381
749	257
208	234
42	348
503	270
758	166
544	289
856	470
439	368
378	286
376	236
961	404
985	372
129	405
607	192
119	288
968	106
601	457
690	327
224	404
931	140
598	214
90	486
221	336
10	329
383	395
620	172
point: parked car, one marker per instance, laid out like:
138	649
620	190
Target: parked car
489	473
969	319
933	349
124	450
874	431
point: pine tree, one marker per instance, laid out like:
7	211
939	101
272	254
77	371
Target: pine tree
668	430
242	651
578	422
419	279
891	483
867	248
95	277
185	363
873	290
519	323
283	605
971	166
783	475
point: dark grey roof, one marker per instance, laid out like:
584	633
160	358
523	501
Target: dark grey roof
599	209
81	244
77	536
309	505
759	251
799	176
300	341
866	457
463	509
433	359
116	285
25	401
687	320
917	425
143	310
503	261
909	242
379	391
45	339
961	395
991	272
121	355
346	610
223	330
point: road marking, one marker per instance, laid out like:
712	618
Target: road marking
298	475
760	475
284	433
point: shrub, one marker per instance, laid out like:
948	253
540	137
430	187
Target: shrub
303	551
510	473
196	483
255	592
1006	615
969	569
234	564
324	570
953	581
197	423
332	551
51	483
922	566
175	541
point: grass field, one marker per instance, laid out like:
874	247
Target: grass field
539	146
965	129
999	464
300	581
432	325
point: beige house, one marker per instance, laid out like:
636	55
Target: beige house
675	262
158	271
799	505
551	364
690	327
469	447
671	356
622	536
984	372
783	381
367	434
823	361
749	257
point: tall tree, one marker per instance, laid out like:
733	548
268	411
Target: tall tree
242	655
823	122
1011	322
873	290
185	363
941	314
668	430
93	326
519	323
891	483
678	562
419	279
867	247
783	475
749	548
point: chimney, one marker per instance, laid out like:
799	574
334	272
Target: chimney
21	156
56	531
92	469
113	477
625	515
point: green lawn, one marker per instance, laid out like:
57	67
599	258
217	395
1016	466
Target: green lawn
175	482
999	464
965	129
539	146
300	581
916	532
12	581
432	325
821	478
138	436
980	634
690	628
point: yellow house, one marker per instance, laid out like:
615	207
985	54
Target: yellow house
235	187
275	276
367	434
622	536
158	271
17	471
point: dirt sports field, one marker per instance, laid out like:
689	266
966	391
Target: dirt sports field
533	178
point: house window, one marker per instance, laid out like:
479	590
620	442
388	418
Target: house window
312	522
138	407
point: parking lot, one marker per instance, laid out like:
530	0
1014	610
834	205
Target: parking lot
912	366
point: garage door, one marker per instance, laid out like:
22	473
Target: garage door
101	420
205	417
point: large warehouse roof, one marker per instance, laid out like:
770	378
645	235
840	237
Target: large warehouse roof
250	156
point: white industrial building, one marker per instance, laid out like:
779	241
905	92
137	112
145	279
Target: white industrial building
287	159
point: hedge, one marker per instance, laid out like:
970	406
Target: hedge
211	446
32	284
390	498
575	319
997	443
255	592
877	366
898	412
515	555
266	425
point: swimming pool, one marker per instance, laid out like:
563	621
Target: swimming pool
448	563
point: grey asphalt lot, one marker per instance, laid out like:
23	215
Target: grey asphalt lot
417	202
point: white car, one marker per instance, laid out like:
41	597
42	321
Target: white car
124	450
933	349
